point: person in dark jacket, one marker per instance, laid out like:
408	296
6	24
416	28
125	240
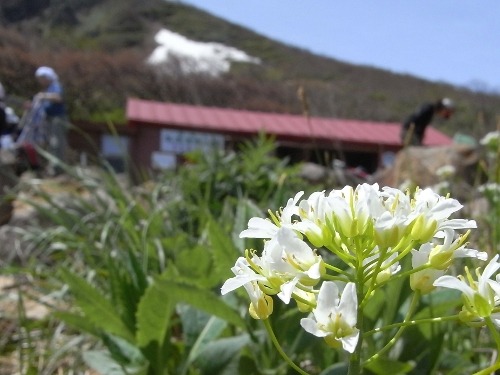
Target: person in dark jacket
413	128
3	115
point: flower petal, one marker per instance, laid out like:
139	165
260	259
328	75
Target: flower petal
311	326
454	283
238	281
348	305
327	301
349	342
259	228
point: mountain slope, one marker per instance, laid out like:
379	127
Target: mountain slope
99	48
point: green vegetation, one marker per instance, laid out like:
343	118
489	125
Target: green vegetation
143	264
131	275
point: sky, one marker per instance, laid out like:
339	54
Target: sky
454	41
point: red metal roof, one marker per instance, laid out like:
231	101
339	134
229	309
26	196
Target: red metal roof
224	120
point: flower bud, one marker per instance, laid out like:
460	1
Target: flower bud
422	281
423	230
262	309
440	260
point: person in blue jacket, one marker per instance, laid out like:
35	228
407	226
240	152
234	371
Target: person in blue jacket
51	99
413	128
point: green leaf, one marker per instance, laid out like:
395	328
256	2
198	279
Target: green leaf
200	298
212	328
439	303
195	322
124	352
336	369
96	307
153	315
201	271
78	322
383	366
223	250
221	356
375	307
104	364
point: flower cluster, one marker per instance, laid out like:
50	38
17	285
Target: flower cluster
368	231
480	297
491	141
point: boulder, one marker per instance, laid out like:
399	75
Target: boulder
420	165
336	177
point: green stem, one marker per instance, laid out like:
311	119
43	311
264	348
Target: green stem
390	344
280	350
489	370
355	359
413	323
336	269
302	300
373	275
494	332
496	336
336	278
392	278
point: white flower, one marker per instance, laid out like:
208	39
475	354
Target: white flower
351	208
259	228
439	258
389	229
261	305
480	296
243	275
491	190
264	228
441	255
300	263
315	207
298	254
312	213
446	171
491	141
423	280
389	213
335	319
286	261
430	215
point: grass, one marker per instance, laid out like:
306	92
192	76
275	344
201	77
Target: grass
130	276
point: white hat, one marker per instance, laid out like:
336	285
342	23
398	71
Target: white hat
447	103
47	72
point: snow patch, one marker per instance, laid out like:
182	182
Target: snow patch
196	57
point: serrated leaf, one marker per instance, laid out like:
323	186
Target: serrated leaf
77	321
202	271
96	307
153	315
223	250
